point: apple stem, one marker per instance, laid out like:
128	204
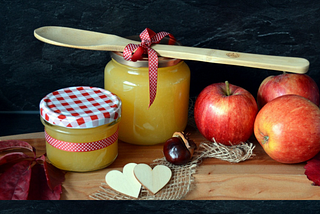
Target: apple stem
227	88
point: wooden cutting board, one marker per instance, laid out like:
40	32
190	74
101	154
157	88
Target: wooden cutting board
259	178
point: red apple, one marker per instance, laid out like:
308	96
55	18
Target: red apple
288	129
226	113
276	86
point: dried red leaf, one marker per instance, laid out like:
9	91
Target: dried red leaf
39	188
10	159
16	144
24	177
15	181
54	175
313	170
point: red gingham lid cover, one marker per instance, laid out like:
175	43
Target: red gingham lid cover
80	107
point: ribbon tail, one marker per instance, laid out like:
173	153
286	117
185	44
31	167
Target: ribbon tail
153	74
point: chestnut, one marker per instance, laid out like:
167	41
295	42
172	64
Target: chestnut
179	149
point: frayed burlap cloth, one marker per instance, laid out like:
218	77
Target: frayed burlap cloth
182	176
182	180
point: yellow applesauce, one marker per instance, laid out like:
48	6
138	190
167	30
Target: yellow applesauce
81	128
140	124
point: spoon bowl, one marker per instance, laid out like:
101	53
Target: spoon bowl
81	39
90	40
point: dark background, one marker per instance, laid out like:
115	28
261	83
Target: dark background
31	69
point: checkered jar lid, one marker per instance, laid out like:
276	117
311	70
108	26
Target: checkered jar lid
80	107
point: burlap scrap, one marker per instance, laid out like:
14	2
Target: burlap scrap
182	180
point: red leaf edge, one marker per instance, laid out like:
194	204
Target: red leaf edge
312	170
15	182
10	159
16	144
54	175
39	188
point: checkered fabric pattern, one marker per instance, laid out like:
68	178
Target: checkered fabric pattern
80	107
133	52
81	147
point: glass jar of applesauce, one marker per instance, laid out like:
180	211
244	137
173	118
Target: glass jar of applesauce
141	124
81	127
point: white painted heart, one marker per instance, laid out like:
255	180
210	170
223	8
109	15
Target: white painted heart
152	179
124	182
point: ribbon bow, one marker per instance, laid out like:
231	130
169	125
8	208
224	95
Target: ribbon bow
133	52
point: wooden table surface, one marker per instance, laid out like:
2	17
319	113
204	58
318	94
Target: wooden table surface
259	178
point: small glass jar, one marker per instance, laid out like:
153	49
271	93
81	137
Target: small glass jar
141	124
81	128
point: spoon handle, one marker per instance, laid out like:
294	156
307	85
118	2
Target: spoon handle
278	63
83	39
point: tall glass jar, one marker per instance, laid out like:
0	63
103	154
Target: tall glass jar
169	112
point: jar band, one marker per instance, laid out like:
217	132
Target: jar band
81	147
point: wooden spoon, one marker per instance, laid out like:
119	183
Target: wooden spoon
89	40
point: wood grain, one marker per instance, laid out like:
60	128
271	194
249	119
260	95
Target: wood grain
259	178
89	40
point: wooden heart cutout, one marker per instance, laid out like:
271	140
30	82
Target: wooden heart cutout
124	182
152	179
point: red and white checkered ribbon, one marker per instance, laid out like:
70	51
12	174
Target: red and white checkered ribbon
81	147
133	52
